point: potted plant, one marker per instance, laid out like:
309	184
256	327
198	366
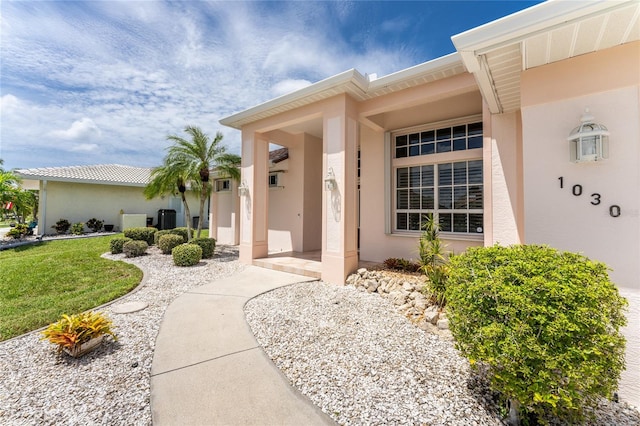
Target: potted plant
108	227
80	333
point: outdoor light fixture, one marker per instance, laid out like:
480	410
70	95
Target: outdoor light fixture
243	189
330	181
589	141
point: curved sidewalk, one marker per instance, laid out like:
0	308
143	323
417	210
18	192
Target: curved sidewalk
208	368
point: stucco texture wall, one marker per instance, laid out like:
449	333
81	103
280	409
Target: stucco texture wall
78	202
578	216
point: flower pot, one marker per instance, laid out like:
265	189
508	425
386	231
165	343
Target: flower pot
108	228
78	351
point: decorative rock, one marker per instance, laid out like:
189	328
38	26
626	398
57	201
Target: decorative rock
443	324
372	285
431	314
362	271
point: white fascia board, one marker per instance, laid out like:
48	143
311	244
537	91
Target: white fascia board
520	25
351	76
77	180
440	64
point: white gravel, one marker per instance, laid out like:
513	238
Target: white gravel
349	351
109	386
363	363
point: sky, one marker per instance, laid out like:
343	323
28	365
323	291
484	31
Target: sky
105	82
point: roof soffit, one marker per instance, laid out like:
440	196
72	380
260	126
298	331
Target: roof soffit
553	31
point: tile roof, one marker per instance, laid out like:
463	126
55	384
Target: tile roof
106	174
278	155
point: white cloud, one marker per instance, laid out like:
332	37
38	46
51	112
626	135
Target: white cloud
84	147
287	86
85	128
142	70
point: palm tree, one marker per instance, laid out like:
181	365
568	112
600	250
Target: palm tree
169	179
197	157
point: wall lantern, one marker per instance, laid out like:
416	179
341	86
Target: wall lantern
589	141
330	181
243	189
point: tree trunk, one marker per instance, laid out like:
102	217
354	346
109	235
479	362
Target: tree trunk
203	198
187	214
514	413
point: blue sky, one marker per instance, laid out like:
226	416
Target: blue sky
98	82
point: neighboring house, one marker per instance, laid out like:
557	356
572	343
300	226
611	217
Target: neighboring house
478	137
110	192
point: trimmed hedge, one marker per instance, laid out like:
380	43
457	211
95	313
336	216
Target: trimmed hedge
141	234
208	246
116	244
546	323
182	231
186	254
167	242
135	248
158	234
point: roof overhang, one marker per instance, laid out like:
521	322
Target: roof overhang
497	52
354	84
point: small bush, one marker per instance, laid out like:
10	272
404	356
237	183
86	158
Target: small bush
158	234
433	259
208	246
166	243
183	232
134	248
94	224
62	226
399	264
116	244
77	228
141	234
546	323
186	254
18	231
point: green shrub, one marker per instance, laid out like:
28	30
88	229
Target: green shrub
158	234
186	254
77	228
433	259
166	243
208	246
183	232
62	226
116	244
18	231
141	234
94	224
134	248
546	323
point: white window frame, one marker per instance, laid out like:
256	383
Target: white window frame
276	178
436	159
223	185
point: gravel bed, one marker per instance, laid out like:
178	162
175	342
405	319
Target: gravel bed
363	363
109	386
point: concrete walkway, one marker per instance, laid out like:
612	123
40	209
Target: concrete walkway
208	368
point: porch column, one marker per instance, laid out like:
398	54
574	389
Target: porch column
254	213
339	231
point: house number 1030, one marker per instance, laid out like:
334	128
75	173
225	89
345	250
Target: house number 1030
596	198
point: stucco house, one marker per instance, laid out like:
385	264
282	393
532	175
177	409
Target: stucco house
487	138
109	192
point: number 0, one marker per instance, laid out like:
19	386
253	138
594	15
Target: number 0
614	210
577	190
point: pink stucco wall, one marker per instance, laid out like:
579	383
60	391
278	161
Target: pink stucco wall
553	100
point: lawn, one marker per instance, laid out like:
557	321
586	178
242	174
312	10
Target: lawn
40	282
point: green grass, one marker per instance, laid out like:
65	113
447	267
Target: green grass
41	282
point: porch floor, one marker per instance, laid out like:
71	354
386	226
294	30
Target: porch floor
308	264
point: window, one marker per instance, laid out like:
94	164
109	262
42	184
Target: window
436	141
430	177
273	180
223	185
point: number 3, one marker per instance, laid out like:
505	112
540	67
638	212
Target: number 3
596	199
